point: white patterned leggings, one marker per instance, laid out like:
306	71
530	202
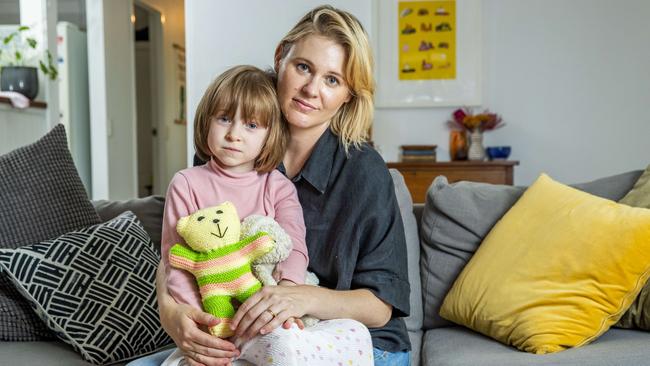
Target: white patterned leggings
335	342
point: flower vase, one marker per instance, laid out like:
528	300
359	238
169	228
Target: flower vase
476	150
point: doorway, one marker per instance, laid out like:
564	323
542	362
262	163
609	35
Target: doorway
147	46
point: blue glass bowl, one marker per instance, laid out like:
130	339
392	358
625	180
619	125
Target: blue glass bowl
498	152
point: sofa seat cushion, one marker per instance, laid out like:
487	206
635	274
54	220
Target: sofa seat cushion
416	346
51	353
456	346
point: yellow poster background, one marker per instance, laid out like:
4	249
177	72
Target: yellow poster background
427	39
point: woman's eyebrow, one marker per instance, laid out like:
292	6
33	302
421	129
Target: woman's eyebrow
311	64
302	59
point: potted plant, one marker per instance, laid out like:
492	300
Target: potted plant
17	53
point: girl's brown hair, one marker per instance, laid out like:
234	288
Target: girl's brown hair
353	120
253	91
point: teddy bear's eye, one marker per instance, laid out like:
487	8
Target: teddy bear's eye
219	211
200	218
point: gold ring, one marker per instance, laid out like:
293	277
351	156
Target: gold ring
272	313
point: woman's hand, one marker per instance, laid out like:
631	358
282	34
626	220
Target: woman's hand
287	324
184	325
269	308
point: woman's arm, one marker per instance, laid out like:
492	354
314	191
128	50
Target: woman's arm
256	314
183	323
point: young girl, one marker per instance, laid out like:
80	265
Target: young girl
239	131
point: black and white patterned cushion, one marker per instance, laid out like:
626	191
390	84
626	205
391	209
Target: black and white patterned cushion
41	197
95	288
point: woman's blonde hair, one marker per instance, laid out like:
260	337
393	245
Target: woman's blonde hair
353	120
253	92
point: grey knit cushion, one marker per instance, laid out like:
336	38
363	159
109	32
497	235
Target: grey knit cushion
41	197
95	287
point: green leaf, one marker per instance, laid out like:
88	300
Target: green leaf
23	28
19	56
43	67
8	38
32	42
53	72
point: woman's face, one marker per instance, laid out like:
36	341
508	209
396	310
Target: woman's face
311	86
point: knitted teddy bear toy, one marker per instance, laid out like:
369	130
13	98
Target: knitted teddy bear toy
219	259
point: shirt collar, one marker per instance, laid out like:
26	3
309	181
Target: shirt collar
318	167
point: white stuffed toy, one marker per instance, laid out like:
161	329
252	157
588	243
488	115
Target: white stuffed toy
263	266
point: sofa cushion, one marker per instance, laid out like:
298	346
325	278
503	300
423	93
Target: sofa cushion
558	269
458	346
51	353
414	320
95	288
458	216
149	211
415	337
638	315
42	197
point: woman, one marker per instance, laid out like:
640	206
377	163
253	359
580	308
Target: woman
354	230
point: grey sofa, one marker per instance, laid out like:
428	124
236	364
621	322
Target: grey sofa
450	211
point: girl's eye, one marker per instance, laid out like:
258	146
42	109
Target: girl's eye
223	119
303	67
252	125
332	81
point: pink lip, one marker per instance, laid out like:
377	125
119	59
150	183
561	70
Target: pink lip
303	106
231	149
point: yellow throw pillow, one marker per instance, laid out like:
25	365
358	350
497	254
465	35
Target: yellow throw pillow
555	272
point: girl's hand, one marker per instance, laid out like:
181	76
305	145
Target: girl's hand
269	308
184	324
291	321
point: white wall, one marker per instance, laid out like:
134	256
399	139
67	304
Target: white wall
221	34
569	77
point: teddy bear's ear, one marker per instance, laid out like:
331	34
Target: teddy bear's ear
229	205
181	224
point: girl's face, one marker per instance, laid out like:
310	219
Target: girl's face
235	143
311	87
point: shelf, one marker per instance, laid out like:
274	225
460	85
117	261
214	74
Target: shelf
32	104
419	175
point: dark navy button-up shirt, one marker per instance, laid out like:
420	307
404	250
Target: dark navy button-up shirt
355	234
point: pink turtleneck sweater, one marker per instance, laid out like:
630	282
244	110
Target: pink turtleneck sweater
270	194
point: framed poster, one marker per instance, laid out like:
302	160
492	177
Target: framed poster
428	53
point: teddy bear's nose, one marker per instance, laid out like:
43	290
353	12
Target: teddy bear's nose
216	221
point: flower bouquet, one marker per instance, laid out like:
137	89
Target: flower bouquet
465	119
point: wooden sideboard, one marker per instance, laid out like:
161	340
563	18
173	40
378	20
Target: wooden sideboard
419	175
